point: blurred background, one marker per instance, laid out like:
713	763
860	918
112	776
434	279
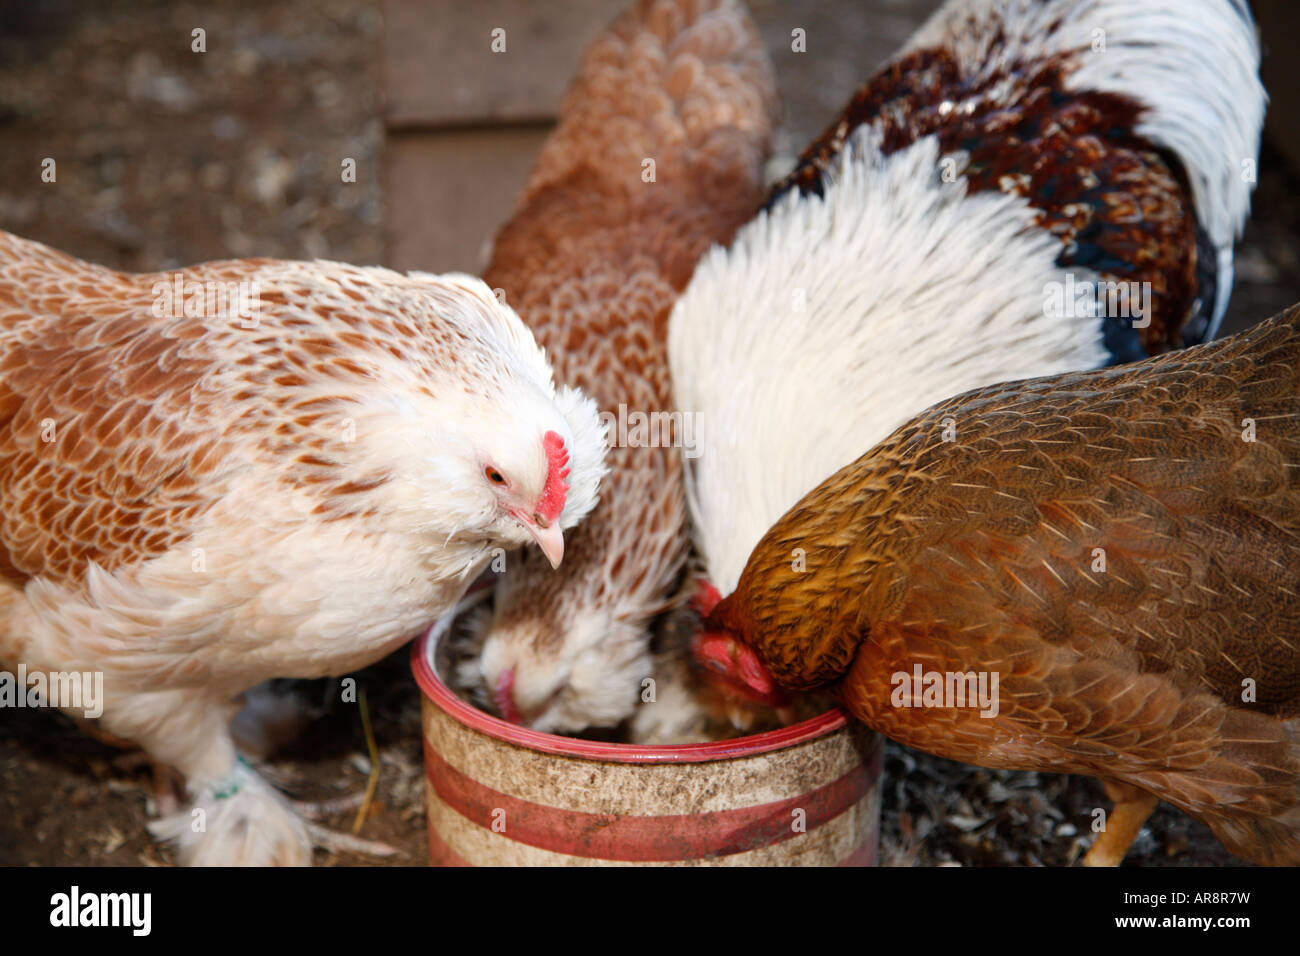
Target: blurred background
167	157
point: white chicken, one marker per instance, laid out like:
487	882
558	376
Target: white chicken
256	469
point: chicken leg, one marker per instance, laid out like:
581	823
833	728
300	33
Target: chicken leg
167	784
1132	807
236	817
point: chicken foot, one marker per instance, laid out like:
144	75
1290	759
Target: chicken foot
236	818
333	841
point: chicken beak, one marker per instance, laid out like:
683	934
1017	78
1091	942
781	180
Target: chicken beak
550	539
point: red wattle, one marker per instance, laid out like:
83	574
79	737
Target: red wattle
706	598
504	696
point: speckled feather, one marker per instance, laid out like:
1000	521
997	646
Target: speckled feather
593	260
195	498
979	554
117	427
1013	121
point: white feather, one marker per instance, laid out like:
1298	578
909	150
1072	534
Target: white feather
914	292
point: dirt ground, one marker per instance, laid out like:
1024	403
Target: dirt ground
67	799
164	159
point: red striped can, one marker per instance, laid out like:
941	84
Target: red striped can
503	795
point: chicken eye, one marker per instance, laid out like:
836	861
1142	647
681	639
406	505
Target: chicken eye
495	476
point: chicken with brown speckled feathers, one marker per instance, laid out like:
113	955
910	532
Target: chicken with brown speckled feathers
254	469
657	155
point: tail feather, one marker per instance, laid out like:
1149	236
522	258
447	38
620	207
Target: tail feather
1194	64
1268	841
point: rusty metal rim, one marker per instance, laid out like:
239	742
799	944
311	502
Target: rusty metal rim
445	700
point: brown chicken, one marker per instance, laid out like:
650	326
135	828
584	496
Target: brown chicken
1087	573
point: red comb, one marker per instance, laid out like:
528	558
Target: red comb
734	666
556	490
706	598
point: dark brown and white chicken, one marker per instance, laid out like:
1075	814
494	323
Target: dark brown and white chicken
1029	187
